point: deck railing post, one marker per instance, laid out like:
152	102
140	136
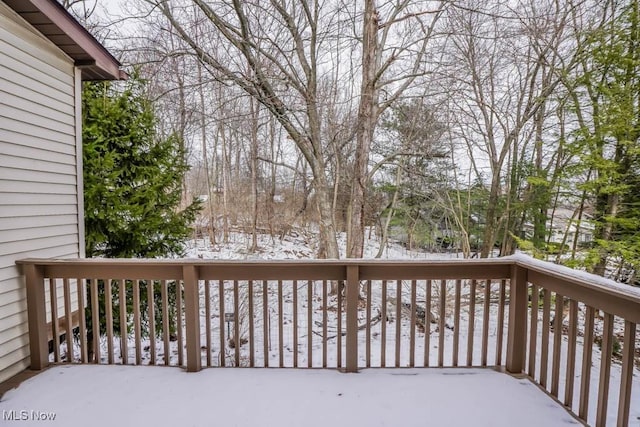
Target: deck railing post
192	317
353	294
37	316
516	338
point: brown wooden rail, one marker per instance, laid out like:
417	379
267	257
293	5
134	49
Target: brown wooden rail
470	305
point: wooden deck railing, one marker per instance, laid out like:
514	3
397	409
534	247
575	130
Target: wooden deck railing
344	314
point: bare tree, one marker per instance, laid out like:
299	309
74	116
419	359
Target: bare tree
394	44
279	54
505	65
272	55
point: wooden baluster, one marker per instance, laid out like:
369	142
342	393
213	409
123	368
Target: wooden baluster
82	322
456	323
398	322
165	320
412	330
137	328
368	329
500	327
383	326
295	323
109	313
122	309
207	315
251	325
237	339
557	344
427	323
587	356
533	334
280	327
55	327
485	322
324	323
310	323
223	346
68	318
265	323
605	370
544	350
441	322
472	317
626	380
152	320
179	314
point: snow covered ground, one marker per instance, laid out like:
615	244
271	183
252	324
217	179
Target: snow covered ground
156	396
297	246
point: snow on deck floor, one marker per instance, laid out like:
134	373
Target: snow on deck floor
160	396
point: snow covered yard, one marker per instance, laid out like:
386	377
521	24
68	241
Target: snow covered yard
79	395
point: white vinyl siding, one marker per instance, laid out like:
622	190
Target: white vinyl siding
39	210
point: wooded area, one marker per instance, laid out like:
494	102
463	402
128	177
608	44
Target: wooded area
470	126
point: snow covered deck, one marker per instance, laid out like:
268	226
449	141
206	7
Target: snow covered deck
573	335
80	395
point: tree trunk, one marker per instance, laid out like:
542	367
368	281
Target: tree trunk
387	222
254	175
367	117
611	204
488	237
272	187
328	245
211	226
225	187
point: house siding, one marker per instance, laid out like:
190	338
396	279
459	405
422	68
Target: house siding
40	173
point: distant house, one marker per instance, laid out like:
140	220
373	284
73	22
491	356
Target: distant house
565	222
44	56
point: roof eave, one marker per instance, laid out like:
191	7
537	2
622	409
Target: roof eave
51	19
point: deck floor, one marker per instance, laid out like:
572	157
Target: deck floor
83	395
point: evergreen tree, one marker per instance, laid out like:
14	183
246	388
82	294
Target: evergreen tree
132	190
418	160
132	178
609	147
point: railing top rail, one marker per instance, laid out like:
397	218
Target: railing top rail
250	262
275	269
335	269
580	278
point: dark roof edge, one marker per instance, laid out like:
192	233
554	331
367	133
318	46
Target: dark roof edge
105	66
